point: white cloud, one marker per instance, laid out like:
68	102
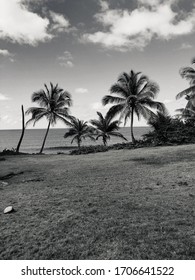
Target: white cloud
5	53
3	97
104	5
66	59
4	118
150	2
97	106
81	90
59	22
185	46
124	29
167	101
20	25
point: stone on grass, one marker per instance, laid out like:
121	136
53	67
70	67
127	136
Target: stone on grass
4	184
8	209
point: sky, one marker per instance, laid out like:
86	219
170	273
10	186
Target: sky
84	45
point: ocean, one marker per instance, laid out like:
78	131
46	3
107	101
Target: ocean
55	142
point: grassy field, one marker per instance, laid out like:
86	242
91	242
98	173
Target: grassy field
127	204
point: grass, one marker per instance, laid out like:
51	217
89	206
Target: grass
126	204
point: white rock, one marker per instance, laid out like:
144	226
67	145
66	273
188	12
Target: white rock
4	184
8	209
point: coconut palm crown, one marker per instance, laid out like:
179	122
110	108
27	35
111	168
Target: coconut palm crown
105	128
54	105
134	94
79	130
188	73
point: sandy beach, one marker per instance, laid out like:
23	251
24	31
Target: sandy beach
126	204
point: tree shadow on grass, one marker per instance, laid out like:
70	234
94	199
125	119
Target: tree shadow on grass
164	160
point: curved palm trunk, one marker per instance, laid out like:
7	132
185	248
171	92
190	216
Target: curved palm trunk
23	129
132	135
45	138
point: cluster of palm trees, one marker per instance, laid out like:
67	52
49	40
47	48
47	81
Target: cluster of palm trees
132	94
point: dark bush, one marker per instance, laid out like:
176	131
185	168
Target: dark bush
7	152
167	130
89	149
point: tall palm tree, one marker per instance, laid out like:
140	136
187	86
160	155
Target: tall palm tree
105	128
79	130
188	73
134	95
54	103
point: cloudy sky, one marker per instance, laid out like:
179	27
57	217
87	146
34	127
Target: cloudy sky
83	45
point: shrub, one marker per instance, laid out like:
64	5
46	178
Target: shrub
89	149
167	130
7	152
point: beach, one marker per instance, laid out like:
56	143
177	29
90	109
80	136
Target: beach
121	204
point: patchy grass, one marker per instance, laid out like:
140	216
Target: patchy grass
126	204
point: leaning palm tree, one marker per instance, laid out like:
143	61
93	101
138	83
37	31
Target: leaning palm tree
134	95
54	103
105	128
188	73
79	130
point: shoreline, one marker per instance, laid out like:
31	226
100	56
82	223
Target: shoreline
118	146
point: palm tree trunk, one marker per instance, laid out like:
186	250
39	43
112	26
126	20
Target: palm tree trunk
132	135
79	145
104	141
23	129
45	138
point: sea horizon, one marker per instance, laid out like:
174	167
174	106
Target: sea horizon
55	142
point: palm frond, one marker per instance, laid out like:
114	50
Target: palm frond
187	73
41	98
35	118
120	89
112	99
145	112
115	110
96	123
71	132
185	92
113	126
153	104
117	134
150	89
62	118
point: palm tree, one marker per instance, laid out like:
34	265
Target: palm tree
134	95
188	73
79	130
54	103
105	128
